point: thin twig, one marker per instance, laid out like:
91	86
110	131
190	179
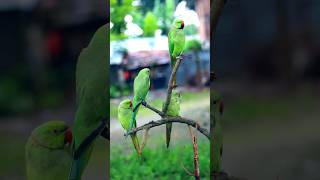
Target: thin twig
153	109
186	170
195	155
168	120
145	138
171	85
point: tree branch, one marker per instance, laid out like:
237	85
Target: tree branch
195	155
168	120
171	85
153	109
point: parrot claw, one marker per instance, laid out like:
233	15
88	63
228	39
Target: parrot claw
174	86
143	102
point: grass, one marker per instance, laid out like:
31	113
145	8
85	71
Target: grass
12	164
159	162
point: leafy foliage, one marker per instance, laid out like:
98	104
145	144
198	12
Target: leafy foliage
193	45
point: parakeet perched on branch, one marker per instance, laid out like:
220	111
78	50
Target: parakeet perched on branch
216	132
176	41
92	103
47	154
141	86
173	110
124	116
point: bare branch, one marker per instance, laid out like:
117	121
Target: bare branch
153	109
171	85
168	120
195	155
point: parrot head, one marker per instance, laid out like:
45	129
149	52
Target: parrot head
53	134
176	94
179	24
124	106
145	71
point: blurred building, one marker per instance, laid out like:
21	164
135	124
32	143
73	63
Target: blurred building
203	11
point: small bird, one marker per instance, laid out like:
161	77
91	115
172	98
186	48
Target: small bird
176	42
216	133
92	103
124	116
47	152
173	110
141	86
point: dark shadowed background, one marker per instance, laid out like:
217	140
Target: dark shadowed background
40	43
267	60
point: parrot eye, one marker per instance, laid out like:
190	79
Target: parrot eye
55	131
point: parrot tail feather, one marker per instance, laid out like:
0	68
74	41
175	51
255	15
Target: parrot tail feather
75	170
135	142
168	133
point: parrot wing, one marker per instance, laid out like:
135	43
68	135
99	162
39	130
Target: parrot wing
91	98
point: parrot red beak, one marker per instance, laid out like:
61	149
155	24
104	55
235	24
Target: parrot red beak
182	25
68	136
130	104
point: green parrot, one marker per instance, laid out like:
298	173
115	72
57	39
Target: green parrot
176	41
141	86
173	110
92	103
124	116
216	133
47	154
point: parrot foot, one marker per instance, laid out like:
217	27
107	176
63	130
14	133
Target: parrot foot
143	102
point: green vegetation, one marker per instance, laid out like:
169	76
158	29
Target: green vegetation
150	25
159	163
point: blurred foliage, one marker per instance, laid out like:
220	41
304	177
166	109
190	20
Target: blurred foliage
159	163
190	29
51	99
13	97
116	90
164	13
150	24
193	45
119	10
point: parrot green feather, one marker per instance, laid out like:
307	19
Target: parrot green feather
124	116
91	95
176	42
173	110
216	133
47	156
141	86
